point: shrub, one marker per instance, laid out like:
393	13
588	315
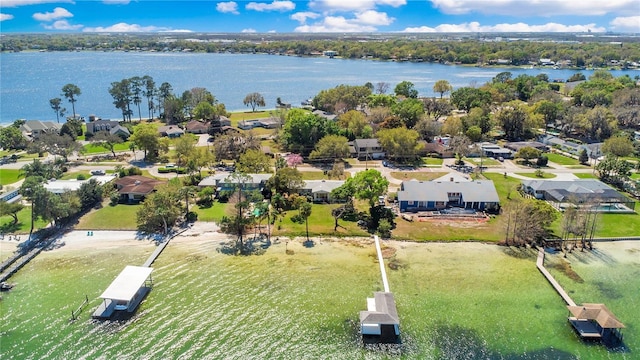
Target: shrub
192	216
81	177
114	198
542	160
539	173
384	228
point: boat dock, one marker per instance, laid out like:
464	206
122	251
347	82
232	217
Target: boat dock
540	265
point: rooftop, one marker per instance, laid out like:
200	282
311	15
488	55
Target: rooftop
126	285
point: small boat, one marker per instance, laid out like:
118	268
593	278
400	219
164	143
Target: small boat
4	286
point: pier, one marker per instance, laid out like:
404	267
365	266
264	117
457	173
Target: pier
591	321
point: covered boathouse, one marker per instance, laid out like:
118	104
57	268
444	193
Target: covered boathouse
125	292
380	322
595	321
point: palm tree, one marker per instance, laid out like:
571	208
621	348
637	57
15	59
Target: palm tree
71	92
59	110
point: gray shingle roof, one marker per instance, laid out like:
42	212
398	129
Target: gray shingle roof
472	191
386	312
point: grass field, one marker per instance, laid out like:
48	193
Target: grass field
585	175
74	175
319	175
24	223
9	176
119	217
91	149
432	162
563	160
213	213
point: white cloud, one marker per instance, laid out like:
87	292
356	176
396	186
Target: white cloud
124	27
4	17
248	31
302	17
271	31
535	7
336	24
116	2
227	7
331	6
517	27
276	5
16	3
57	13
373	17
62	25
626	24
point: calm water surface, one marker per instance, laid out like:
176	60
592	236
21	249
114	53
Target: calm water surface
29	79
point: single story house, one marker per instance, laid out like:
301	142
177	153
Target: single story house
226	182
126	292
593	149
113	127
62	186
197	127
34	128
517	145
324	114
495	151
578	192
171	131
380	320
438	195
248	124
367	149
134	188
269	123
320	190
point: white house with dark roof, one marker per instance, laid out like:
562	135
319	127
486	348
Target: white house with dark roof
113	127
222	182
442	194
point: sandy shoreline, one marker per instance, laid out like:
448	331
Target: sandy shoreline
208	233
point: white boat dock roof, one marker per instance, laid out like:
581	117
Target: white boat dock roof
127	284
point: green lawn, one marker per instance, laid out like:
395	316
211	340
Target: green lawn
545	175
613	225
635	176
561	159
119	217
74	175
432	161
585	176
247	115
485	161
417	175
320	223
90	149
9	176
24	223
213	213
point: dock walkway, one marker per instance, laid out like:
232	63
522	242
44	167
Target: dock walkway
540	265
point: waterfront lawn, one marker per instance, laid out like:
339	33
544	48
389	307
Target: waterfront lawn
616	225
236	117
9	176
449	230
545	175
119	217
213	213
321	222
417	175
23	225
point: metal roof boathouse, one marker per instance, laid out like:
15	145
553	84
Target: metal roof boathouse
125	293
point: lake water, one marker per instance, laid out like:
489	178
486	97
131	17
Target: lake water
29	79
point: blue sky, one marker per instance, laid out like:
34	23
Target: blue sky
283	16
